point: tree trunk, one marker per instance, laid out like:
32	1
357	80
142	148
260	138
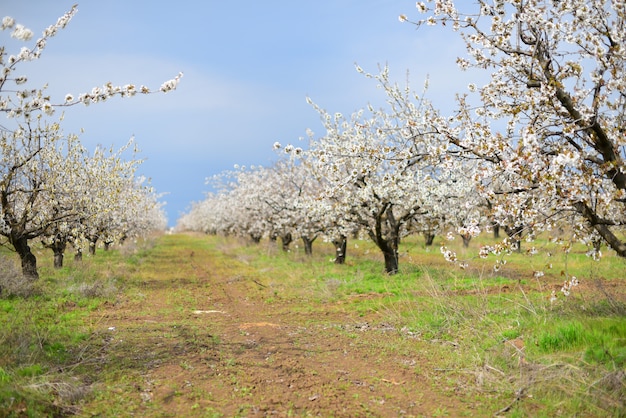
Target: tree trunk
389	248
466	239
494	224
341	245
255	238
388	241
58	249
308	245
78	256
286	240
29	261
391	259
92	247
58	258
496	230
430	238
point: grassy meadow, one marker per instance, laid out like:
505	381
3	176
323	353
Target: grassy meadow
497	339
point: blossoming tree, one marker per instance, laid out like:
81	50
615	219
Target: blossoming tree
29	187
380	169
294	195
552	117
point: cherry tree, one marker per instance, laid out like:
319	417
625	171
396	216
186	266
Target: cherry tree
103	200
293	198
274	196
27	187
321	214
379	169
114	198
30	187
551	118
465	209
266	201
259	202
206	215
138	212
148	214
65	196
245	191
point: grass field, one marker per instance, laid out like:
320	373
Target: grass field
194	325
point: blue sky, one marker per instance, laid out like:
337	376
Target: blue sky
248	67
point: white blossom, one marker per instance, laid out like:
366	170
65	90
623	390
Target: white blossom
171	84
22	33
7	22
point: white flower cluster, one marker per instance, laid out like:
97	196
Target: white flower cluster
101	94
565	289
498	265
19	31
595	254
171	84
472	230
61	23
4	228
568	285
449	255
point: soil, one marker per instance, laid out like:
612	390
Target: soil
206	344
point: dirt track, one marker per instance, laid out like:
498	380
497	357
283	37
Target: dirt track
203	343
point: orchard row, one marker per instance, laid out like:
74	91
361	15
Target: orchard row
539	147
52	190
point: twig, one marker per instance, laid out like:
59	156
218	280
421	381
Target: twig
257	282
518	397
393	382
494	369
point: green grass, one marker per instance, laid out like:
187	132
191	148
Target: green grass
603	341
46	335
570	359
573	348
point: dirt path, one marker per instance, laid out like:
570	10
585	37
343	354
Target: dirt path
199	342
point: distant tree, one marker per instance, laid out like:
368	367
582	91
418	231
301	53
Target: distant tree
293	196
113	195
238	207
206	215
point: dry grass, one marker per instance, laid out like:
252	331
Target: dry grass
12	282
